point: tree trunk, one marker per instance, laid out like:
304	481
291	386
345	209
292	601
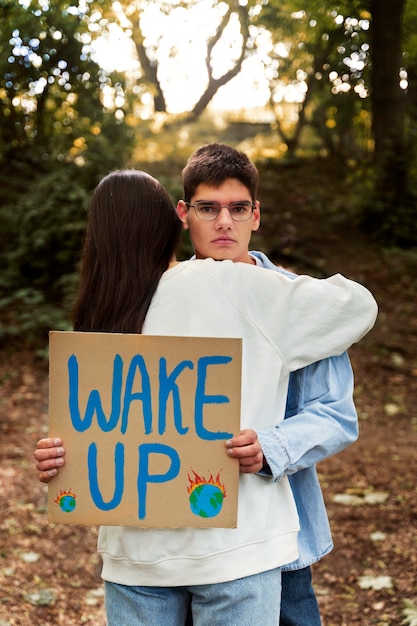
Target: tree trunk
390	212
388	98
149	67
214	84
150	72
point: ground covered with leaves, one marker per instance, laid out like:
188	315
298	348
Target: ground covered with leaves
50	574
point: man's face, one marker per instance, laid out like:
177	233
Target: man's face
221	238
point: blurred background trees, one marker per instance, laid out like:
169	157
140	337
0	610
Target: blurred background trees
335	83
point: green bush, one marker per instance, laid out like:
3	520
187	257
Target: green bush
45	233
42	235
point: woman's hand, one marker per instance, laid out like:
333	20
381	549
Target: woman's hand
49	456
245	447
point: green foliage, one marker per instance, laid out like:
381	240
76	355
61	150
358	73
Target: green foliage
51	88
391	221
42	234
328	47
57	139
47	232
26	318
321	49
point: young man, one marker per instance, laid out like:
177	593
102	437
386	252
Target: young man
220	184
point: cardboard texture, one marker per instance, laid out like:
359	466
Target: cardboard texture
144	421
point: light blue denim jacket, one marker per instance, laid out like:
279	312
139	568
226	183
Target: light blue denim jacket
320	420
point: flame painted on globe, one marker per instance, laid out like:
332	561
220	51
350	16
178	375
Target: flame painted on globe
206	495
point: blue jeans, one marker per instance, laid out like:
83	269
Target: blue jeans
299	605
245	601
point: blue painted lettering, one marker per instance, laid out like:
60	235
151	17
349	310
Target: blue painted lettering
201	398
138	362
145	450
168	385
118	477
94	401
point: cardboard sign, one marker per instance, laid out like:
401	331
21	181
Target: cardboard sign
144	421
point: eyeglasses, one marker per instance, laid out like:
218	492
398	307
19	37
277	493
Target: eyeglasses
240	211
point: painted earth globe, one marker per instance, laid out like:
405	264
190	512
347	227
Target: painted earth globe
67	503
206	500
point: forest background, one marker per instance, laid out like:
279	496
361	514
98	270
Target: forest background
323	97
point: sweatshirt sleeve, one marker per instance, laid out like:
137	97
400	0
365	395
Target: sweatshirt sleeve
307	319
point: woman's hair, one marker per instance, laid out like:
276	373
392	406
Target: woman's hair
213	164
131	237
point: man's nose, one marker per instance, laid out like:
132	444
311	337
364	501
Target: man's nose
224	219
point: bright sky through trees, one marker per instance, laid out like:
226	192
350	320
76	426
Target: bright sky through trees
181	36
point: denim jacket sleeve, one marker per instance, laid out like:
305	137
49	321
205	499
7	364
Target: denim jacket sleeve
320	416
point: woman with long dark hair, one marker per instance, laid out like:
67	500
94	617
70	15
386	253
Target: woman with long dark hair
126	251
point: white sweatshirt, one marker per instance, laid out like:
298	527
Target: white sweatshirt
285	324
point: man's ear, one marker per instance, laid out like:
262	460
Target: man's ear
256	216
182	213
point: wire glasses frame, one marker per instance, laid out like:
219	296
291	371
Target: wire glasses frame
240	211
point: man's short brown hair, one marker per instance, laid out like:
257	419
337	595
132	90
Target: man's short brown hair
214	163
